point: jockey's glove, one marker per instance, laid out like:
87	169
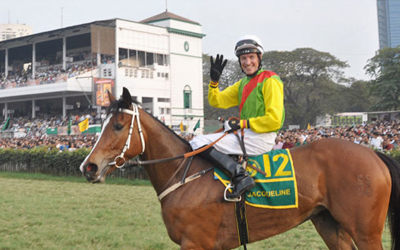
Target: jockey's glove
235	124
217	67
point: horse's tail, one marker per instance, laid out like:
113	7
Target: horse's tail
394	205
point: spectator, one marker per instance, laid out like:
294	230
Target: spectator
71	147
387	146
299	141
376	141
288	143
357	139
278	143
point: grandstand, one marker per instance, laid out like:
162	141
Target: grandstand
69	70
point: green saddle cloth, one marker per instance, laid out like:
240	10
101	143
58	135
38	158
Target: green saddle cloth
276	189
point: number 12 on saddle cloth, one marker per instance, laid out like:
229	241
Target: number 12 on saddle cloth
277	189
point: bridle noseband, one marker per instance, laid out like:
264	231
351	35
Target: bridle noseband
135	113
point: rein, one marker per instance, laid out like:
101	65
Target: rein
185	156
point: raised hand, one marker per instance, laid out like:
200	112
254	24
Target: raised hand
217	67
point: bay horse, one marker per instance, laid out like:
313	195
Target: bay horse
345	189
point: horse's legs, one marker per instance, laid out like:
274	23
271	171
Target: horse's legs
368	238
333	235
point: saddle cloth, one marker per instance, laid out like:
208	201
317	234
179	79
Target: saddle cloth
277	189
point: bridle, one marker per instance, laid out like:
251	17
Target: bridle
135	114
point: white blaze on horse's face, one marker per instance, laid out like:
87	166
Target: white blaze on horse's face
105	123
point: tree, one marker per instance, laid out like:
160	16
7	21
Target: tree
353	98
385	67
310	80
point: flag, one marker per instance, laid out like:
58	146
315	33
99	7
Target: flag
308	126
197	125
6	125
181	126
69	126
84	125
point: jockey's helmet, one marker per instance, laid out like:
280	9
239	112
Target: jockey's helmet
248	44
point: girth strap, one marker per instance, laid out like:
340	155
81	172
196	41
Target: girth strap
183	182
241	222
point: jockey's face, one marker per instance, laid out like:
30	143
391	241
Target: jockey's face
249	63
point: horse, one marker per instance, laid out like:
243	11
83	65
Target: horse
345	189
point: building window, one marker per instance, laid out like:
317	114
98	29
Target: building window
187	97
149	58
160	99
142	58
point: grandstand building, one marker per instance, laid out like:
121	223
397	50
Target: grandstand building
69	70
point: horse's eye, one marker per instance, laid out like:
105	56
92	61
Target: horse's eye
118	127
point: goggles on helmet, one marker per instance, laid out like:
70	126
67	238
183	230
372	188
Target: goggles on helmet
247	46
246	42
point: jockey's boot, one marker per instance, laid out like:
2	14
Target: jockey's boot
240	178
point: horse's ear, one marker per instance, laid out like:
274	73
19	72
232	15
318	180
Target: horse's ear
111	97
126	97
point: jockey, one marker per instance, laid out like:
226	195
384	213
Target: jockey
259	96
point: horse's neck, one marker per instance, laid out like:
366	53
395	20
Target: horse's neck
161	144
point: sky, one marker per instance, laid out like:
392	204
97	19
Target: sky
347	29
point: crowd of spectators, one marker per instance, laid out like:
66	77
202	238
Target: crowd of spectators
50	70
43	75
69	143
383	136
34	132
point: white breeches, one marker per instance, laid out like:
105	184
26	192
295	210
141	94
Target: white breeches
255	143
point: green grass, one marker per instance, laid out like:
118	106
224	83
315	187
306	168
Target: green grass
47	212
79	179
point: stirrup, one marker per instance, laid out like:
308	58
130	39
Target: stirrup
231	199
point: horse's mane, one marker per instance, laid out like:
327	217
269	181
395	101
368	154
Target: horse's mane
116	105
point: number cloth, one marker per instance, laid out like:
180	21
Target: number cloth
278	188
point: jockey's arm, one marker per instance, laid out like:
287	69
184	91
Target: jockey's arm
223	99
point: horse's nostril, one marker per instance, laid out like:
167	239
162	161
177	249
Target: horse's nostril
92	168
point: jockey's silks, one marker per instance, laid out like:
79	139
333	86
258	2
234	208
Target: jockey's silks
260	100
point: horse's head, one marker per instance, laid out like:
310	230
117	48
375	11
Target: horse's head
120	139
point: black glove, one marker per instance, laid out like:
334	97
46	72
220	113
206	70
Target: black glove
217	67
231	125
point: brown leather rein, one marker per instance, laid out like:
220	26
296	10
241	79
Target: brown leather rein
185	156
